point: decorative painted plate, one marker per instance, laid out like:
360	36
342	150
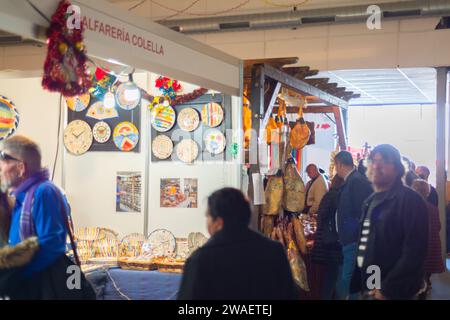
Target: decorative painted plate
163	118
161	242
215	141
126	136
102	132
162	147
128	95
9	118
188	119
99	112
212	114
78	103
187	150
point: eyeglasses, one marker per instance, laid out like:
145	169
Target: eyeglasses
6	157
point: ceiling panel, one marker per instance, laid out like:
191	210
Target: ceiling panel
387	86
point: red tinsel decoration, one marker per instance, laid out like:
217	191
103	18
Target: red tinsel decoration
65	68
184	98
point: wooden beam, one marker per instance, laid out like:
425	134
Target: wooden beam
326	109
276	62
269	100
302	87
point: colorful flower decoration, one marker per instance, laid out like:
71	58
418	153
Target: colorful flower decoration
169	87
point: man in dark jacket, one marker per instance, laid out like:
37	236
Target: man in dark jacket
394	233
236	263
355	190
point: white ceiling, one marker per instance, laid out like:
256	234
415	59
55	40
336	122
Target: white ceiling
387	86
176	9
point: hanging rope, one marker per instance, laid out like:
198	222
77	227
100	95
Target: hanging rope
184	11
284	5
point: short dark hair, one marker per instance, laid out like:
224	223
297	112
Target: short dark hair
391	154
231	205
425	170
345	158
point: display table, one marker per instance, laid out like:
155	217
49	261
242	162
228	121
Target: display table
121	284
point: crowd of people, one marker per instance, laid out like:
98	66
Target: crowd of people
377	234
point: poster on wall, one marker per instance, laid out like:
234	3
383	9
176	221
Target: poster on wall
179	193
128	192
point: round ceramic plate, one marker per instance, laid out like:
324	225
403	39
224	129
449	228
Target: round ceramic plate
128	96
215	141
126	136
212	114
9	118
163	118
78	103
188	119
162	147
102	132
161	242
187	150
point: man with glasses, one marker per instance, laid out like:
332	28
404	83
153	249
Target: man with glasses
394	234
38	209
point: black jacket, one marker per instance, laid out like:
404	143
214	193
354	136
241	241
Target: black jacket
397	243
355	190
433	197
238	265
327	248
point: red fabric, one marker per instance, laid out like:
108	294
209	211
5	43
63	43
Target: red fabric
434	262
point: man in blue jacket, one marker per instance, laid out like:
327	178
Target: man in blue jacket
355	190
21	173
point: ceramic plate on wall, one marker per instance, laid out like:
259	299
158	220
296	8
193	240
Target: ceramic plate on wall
126	136
188	119
102	132
78	103
163	118
9	118
187	150
212	114
128	95
162	147
215	141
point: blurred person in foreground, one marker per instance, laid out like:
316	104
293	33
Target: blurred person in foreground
236	263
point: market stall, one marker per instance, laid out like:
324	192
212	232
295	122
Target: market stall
138	142
277	137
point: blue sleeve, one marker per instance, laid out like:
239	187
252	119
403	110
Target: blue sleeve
50	228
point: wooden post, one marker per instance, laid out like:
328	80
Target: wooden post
257	108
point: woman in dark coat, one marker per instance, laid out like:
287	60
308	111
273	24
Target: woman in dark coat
327	251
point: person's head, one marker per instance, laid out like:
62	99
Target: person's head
227	208
421	187
423	172
343	163
337	182
361	167
385	166
20	158
312	171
